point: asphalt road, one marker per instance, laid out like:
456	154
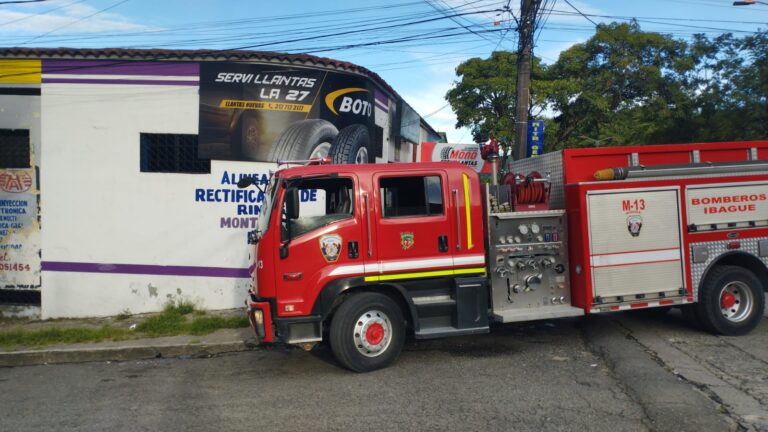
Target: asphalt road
612	373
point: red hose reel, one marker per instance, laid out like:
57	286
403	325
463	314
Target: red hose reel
530	192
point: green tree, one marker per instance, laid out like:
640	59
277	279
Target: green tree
483	97
622	86
626	86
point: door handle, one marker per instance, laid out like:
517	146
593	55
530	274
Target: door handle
352	249
292	276
442	243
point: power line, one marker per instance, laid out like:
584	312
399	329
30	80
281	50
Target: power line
21	1
454	19
580	12
114	5
41	13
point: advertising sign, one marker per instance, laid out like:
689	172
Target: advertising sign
535	138
467	154
727	204
19	231
270	113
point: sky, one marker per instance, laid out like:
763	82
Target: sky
414	45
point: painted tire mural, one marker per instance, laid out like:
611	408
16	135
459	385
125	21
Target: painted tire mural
304	140
352	145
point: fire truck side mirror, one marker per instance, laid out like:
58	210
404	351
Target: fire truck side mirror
292	203
244	182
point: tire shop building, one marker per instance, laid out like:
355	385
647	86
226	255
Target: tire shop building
118	167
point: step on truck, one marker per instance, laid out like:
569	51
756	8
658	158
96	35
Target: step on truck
428	250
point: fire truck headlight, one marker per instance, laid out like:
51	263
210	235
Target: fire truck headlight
258	320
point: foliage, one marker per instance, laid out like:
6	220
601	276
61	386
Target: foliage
484	97
627	86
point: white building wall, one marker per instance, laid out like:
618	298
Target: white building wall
115	238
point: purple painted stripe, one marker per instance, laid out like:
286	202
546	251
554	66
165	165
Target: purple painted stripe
117	81
144	269
380	97
120	67
382	107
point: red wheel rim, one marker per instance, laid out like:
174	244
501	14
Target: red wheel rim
374	334
727	300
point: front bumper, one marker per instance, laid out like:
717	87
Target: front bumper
260	318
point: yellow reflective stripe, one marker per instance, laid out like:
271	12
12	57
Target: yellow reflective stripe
20	71
416	275
468	212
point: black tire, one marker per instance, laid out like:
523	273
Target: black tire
301	139
732	316
689	315
246	142
654	312
352	145
353	325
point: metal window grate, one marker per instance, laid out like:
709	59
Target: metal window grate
14	148
19	297
172	153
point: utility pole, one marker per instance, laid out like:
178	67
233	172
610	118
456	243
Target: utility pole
528	11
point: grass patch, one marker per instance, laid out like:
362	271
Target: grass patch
167	323
61	335
177	318
181	307
205	325
173	321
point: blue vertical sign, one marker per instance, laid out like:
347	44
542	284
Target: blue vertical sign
535	138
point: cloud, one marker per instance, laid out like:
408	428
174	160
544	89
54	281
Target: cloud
430	101
62	14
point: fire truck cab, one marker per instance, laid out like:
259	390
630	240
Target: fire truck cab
364	255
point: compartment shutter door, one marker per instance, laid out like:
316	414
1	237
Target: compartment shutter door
635	243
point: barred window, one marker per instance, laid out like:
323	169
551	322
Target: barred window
14	148
19	297
172	153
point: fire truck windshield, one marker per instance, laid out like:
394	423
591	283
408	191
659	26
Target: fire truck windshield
266	206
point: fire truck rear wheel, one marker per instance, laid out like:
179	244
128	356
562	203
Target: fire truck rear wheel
304	140
367	332
351	145
731	301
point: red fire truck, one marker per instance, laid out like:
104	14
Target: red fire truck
426	249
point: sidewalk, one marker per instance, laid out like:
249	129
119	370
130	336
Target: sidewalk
186	345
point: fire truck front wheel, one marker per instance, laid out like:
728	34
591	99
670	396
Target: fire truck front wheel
367	332
731	301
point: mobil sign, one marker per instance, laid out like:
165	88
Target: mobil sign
467	154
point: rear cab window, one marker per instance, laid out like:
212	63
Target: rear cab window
411	196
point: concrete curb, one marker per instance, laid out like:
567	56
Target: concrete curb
138	349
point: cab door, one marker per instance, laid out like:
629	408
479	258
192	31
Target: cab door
321	243
413	225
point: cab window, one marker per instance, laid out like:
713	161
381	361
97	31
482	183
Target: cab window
411	196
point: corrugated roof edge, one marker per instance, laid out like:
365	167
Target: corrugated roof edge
195	55
188	55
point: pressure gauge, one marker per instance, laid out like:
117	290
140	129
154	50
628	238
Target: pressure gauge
502	239
535	228
523	229
517	239
510	239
